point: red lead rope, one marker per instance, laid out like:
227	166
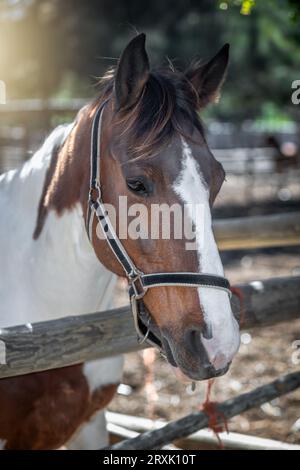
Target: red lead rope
216	420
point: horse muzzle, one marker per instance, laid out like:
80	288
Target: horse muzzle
186	353
189	354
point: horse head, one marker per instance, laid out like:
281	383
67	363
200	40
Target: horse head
153	152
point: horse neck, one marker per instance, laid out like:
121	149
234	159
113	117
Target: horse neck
58	273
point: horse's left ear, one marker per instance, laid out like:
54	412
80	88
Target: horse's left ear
208	78
132	73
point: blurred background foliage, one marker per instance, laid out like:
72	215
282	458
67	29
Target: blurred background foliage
57	48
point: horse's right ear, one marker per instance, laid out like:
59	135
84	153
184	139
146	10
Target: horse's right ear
132	73
207	79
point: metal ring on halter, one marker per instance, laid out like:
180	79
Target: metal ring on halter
142	340
143	337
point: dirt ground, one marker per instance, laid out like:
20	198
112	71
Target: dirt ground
263	356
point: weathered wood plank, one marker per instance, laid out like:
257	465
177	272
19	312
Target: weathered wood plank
195	421
269	301
71	340
258	231
205	437
67	341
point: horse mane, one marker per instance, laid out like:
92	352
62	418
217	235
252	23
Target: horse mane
167	105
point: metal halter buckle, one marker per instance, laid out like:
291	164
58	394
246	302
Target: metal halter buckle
135	281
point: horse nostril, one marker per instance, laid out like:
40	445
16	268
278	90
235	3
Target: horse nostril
207	331
194	339
194	345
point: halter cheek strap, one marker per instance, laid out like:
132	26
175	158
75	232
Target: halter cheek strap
139	282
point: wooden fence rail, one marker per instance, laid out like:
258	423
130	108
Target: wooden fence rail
228	136
19	108
195	421
258	231
121	426
66	341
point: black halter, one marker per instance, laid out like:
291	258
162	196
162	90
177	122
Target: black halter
139	282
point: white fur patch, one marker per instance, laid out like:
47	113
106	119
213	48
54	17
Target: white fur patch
215	305
2	444
103	372
2	352
56	275
91	436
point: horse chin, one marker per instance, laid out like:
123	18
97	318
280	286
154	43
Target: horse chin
202	374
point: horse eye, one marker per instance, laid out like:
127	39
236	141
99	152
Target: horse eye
137	186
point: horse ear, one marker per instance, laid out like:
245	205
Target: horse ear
132	73
208	78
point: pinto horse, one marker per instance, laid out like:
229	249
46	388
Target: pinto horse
153	151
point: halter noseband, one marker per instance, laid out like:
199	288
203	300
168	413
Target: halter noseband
139	282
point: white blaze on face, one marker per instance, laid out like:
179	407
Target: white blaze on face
215	305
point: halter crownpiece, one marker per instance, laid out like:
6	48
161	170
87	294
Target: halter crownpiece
139	282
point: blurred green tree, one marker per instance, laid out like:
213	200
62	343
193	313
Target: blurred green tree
58	47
